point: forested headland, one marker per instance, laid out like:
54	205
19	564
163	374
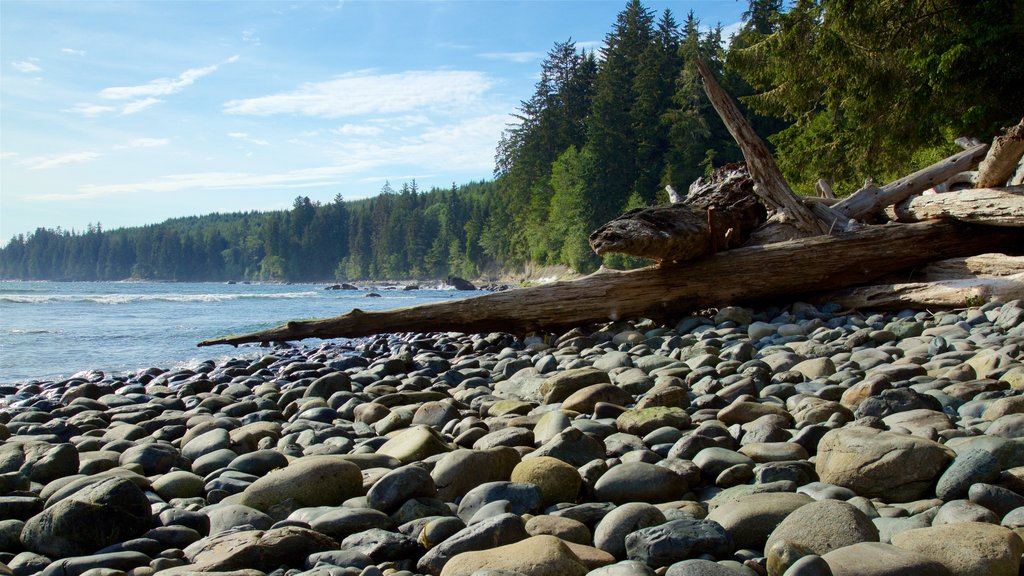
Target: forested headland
841	90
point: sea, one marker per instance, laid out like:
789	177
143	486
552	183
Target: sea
53	330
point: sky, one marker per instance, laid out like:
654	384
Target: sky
128	113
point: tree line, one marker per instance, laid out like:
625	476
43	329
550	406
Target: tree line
841	90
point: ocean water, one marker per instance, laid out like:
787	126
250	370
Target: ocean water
51	330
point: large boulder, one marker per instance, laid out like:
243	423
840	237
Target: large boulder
100	514
537	556
749	520
307	481
878	464
458	472
967	548
264	551
640	482
818	528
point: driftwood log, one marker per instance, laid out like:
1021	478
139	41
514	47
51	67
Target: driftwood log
870	199
993	206
1001	161
783	270
717	214
954	293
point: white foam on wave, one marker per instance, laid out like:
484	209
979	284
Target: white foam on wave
133	298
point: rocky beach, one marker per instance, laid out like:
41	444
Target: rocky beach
795	441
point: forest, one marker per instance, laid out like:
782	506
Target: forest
841	90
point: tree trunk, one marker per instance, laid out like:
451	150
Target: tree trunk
1001	161
769	183
958	293
717	214
749	274
992	206
869	200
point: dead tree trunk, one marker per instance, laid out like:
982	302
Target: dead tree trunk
750	274
993	206
769	183
1001	161
717	214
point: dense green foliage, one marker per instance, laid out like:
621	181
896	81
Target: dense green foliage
843	90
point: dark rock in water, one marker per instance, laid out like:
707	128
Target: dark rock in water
678	540
459	283
110	511
410	288
372	295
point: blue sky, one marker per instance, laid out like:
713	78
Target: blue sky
129	113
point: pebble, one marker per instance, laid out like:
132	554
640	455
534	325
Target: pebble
782	441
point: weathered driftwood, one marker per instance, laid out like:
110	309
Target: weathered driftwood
871	199
717	214
749	274
794	219
955	293
1002	158
991	206
824	189
991	264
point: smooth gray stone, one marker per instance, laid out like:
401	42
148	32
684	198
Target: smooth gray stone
810	565
523	498
225	517
383	545
996	498
490	533
610	533
389	492
968	467
700	567
342	522
678	540
78	565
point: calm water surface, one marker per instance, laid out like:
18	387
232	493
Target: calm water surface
51	330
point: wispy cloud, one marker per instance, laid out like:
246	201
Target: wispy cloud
73	52
244	137
158	87
144	143
90	110
590	44
26	66
303	178
362	93
55	160
359	130
516	57
139	105
5	155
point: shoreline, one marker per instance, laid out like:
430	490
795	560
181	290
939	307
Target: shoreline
752	440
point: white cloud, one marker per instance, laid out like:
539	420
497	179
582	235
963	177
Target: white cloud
4	155
303	178
728	31
244	137
361	93
145	143
54	160
139	105
73	52
357	130
590	44
466	145
87	109
26	66
517	57
162	86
